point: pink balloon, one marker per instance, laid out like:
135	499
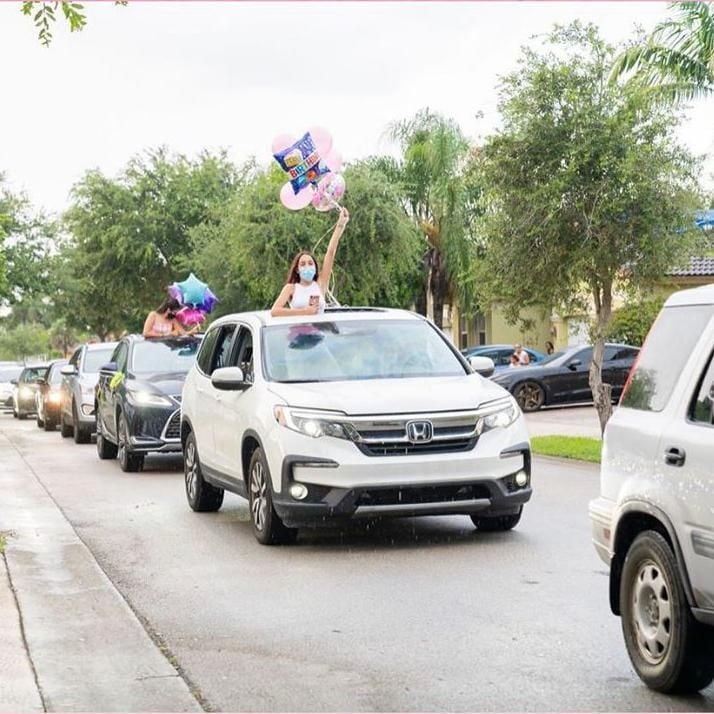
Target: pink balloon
333	161
295	201
282	141
322	140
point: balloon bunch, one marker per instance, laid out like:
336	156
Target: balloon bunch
313	167
196	298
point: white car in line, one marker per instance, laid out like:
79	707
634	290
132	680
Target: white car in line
653	522
358	412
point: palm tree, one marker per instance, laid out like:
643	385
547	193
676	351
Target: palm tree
677	59
430	174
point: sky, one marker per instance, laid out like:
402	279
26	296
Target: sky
233	75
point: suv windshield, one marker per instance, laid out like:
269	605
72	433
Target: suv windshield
164	356
94	359
360	349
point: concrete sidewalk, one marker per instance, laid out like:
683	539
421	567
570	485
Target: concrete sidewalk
83	647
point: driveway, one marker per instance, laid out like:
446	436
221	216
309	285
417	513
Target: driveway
564	421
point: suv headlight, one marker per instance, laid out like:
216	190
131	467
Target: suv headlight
501	416
147	399
314	423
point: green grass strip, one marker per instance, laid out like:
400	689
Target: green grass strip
568	447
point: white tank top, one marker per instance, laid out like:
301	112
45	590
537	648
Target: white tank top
302	295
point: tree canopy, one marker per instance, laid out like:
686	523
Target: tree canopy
586	188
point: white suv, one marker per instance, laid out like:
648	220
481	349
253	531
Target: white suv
654	521
353	413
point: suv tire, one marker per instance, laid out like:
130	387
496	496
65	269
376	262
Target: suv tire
105	448
670	651
267	526
81	434
201	495
496	523
129	461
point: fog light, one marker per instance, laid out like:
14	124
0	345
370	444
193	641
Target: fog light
521	478
298	491
87	409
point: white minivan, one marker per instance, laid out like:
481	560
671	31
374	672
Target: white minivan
653	523
354	413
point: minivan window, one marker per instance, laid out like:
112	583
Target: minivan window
702	409
668	346
359	349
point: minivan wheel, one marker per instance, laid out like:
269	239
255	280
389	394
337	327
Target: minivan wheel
105	448
670	651
129	461
267	526
529	395
496	523
81	434
201	495
65	429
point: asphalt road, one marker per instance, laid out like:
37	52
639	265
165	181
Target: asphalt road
410	615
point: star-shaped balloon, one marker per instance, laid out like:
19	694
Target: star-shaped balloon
193	290
209	301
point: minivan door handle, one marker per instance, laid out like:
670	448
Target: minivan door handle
674	456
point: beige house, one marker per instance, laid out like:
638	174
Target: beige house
491	327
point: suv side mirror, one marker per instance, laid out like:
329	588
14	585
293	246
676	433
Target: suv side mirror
13	381
482	365
68	370
108	369
574	364
229	379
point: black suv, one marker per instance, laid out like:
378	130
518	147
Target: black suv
138	399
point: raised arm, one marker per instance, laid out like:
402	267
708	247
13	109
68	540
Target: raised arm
326	271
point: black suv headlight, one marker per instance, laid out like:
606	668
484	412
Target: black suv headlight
142	398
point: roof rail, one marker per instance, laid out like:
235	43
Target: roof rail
344	308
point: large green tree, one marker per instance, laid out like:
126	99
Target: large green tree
245	257
129	236
587	190
432	182
676	61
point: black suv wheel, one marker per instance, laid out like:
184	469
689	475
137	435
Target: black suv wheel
129	461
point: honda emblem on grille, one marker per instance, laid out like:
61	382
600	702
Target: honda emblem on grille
420	432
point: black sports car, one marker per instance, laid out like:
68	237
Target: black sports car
139	398
562	378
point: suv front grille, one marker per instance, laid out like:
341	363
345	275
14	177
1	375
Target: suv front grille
422	494
173	426
448	433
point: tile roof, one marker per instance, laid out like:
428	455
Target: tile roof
697	266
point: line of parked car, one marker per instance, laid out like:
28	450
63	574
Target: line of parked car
363	413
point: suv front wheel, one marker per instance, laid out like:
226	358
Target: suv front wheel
267	526
670	651
201	495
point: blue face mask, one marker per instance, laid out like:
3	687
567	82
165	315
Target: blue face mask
307	273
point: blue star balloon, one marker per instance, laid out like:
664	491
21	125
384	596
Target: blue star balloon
193	290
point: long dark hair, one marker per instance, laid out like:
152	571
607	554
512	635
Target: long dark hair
294	273
168	304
